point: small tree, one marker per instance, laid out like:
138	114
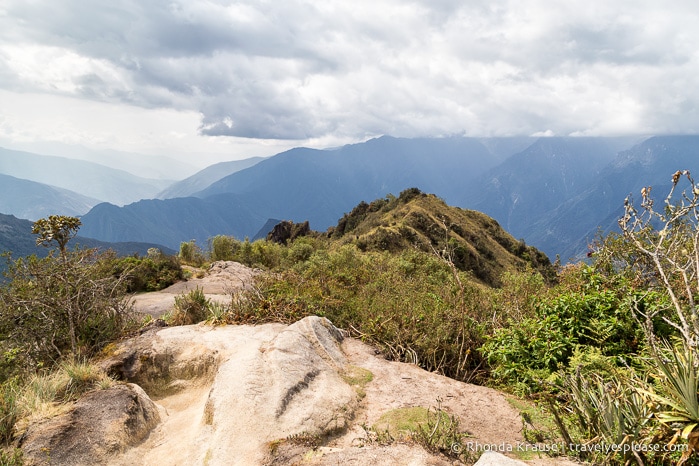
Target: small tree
669	239
56	228
53	305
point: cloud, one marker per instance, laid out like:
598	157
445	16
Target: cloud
297	70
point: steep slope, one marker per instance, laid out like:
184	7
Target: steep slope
86	178
568	228
172	221
32	200
473	241
204	178
540	178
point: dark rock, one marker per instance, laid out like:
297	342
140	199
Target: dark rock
286	231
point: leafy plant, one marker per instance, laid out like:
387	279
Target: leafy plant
677	393
152	273
52	307
528	352
190	308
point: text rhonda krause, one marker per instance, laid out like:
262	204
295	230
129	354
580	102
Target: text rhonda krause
573	447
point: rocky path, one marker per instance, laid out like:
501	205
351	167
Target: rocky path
222	279
278	395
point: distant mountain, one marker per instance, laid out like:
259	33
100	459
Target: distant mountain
159	167
320	185
16	237
172	221
567	229
86	178
540	178
204	178
300	184
554	192
32	200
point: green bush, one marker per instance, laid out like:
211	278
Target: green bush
56	306
223	248
152	273
526	353
190	308
191	254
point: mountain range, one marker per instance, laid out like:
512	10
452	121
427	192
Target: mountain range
16	237
85	178
554	193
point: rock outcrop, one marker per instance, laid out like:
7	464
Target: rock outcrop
101	425
268	394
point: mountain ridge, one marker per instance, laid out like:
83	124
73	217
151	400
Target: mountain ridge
86	178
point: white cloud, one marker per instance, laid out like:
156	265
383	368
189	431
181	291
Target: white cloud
320	72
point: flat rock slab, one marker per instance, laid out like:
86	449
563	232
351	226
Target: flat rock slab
278	395
221	280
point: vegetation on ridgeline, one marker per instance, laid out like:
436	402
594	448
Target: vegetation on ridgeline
607	348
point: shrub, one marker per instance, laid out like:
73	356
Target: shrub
529	351
190	308
223	248
54	306
152	273
191	254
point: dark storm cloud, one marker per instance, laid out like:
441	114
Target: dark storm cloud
298	70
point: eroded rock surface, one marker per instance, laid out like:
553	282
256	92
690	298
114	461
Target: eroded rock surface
101	424
269	394
269	382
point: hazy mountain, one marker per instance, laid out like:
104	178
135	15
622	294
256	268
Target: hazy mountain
540	178
86	178
553	194
32	200
204	178
300	184
16	237
320	185
172	221
148	166
567	229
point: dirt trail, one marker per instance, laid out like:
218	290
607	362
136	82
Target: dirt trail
222	279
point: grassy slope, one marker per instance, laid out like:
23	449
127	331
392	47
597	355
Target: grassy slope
475	242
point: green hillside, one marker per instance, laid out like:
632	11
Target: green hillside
473	241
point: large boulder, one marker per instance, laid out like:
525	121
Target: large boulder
242	388
102	424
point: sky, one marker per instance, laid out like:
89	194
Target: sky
207	80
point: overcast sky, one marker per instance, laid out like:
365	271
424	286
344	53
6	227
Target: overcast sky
241	78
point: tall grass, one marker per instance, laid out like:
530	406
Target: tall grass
42	396
411	304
